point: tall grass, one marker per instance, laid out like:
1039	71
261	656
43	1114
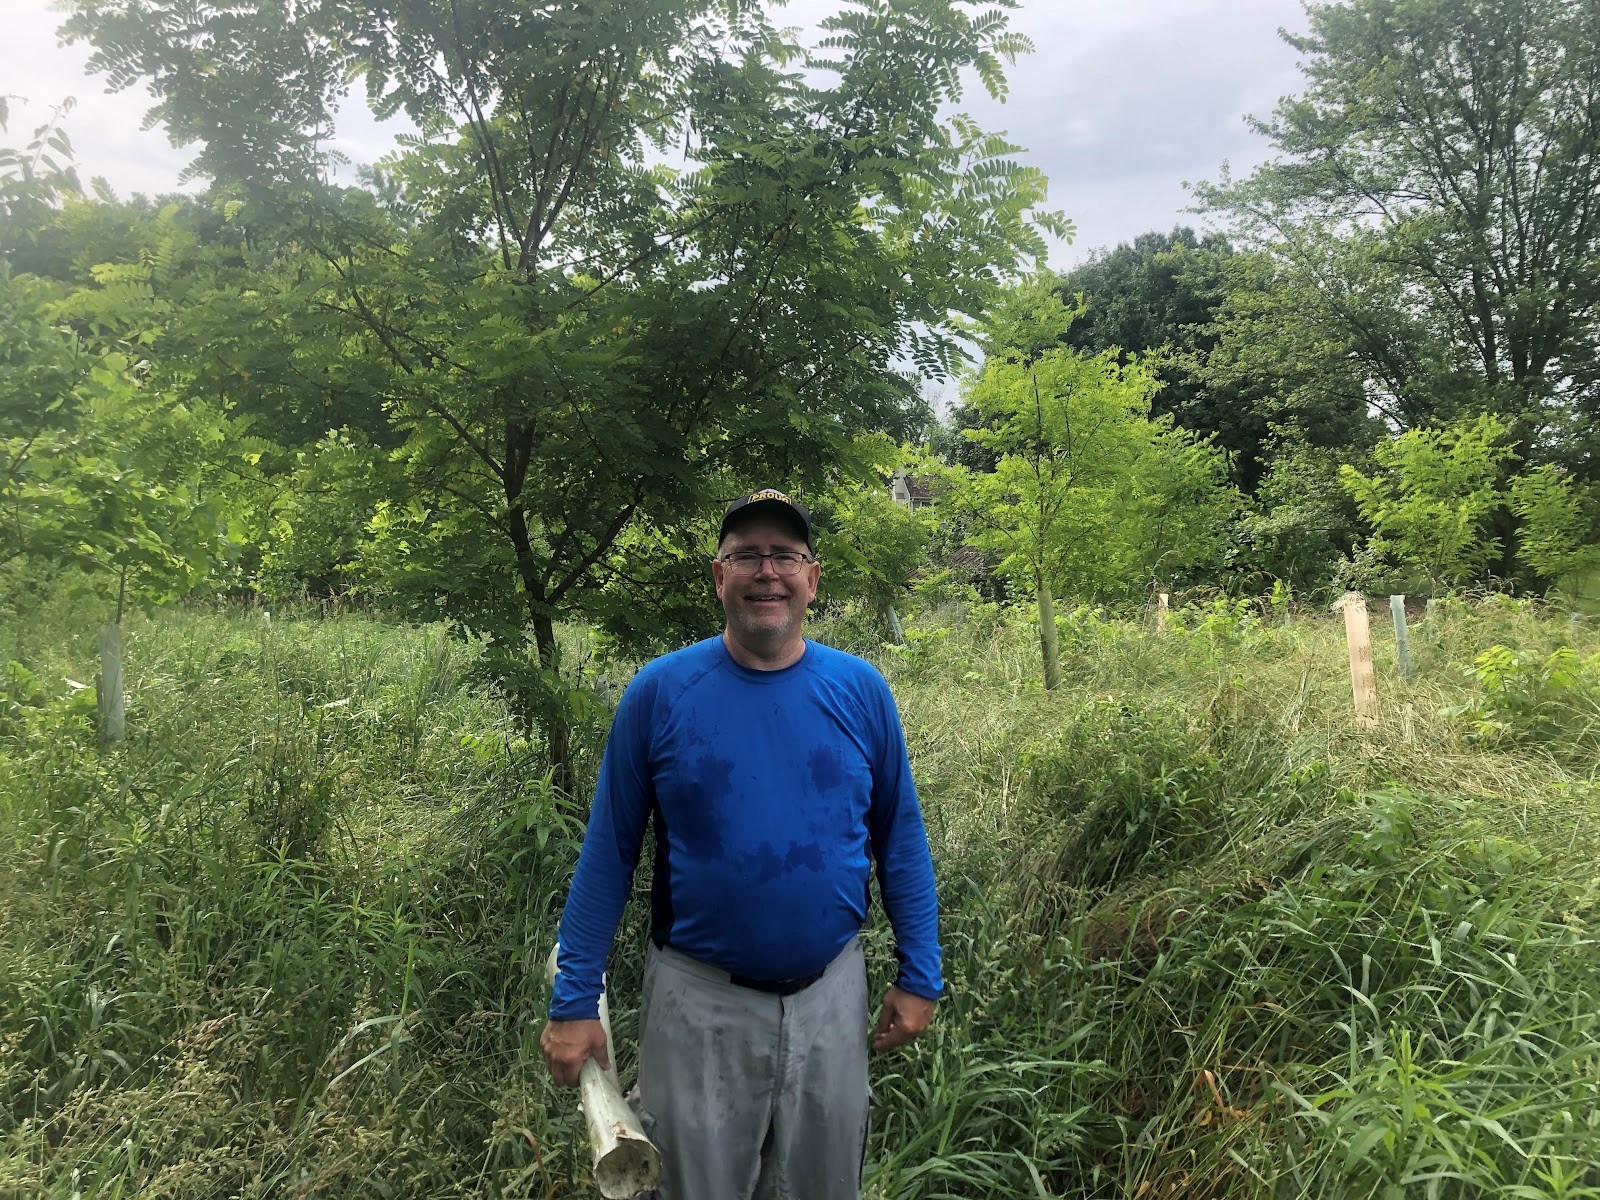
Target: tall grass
284	940
1204	937
1270	954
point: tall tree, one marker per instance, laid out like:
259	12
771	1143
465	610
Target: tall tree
583	346
1226	335
1437	188
1306	378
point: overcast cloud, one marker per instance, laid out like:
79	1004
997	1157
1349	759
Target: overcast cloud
1121	104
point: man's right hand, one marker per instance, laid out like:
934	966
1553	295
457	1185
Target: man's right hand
567	1045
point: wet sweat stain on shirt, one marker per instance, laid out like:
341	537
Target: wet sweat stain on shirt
771	794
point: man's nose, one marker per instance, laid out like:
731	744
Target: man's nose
765	566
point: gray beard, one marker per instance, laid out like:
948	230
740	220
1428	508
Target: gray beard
763	633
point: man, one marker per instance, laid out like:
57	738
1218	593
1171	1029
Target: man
772	768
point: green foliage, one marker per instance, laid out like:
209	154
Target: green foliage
611	421
1434	506
33	180
1153	804
1556	537
1182	507
30	707
1395	207
1235	997
1317	337
1552	697
1267	346
870	546
217	919
1221	623
100	470
1088	493
1449	1088
1431	505
331	529
1158	298
1301	519
104	466
918	653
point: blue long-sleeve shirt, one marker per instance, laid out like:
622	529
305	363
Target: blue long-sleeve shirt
771	793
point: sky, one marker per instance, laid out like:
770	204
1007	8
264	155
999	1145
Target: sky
1121	104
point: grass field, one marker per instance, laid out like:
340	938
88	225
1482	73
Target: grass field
1204	938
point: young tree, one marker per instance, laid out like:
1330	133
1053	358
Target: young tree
1557	540
100	468
1431	504
870	545
639	254
1088	493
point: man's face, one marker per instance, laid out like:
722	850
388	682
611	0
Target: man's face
766	608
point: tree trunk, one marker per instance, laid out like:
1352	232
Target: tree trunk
1049	646
557	728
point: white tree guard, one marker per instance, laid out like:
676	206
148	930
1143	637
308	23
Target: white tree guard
626	1162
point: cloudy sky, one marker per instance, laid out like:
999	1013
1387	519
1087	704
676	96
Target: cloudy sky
1121	103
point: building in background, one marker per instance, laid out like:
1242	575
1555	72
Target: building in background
911	491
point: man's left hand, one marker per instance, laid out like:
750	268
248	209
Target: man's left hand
902	1019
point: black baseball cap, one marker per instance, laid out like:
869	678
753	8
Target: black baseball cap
768	502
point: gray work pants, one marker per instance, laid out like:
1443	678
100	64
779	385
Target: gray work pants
751	1095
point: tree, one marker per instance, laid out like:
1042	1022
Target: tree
1431	504
319	536
1089	495
1269	346
208	282
1157	297
1557	538
1301	520
99	468
870	546
1154	298
1234	340
1439	184
584	348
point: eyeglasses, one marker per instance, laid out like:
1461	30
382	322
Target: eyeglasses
748	562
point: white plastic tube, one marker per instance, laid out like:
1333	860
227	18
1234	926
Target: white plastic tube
626	1162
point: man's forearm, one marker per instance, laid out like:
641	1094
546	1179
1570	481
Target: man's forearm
588	926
